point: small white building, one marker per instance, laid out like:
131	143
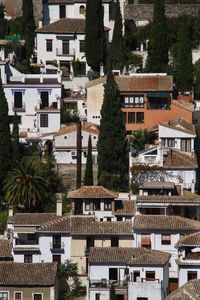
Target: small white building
162	233
135	273
65	143
35	98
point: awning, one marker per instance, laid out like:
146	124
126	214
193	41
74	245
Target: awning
158	94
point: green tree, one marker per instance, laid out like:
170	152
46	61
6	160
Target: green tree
112	295
29	28
68	269
88	179
140	138
116	54
197	81
5	138
112	144
94	34
15	140
26	185
157	60
183	61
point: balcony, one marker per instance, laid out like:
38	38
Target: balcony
104	283
19	109
23	245
65	52
57	247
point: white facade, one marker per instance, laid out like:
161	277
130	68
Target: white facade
65	146
184	270
24	94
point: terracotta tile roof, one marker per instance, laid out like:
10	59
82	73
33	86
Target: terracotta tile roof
27	274
190	240
183	105
157	185
72	1
194	262
64	26
89	127
176	158
180	124
59	225
128	208
191	199
189	291
92	192
32	219
89	226
138	83
159	222
131	256
5	249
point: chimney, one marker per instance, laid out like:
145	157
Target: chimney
193	187
10	211
101	70
40	24
59	204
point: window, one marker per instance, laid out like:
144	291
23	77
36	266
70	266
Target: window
18	296
18	100
37	296
107	204
4	295
142	298
28	258
82	46
96	205
150	275
135	275
139	117
113	273
65	47
82	10
31	236
146	240
87	204
57	258
89	242
170	142
62	11
186	145
166	239
131	117
134	101
49	45
44	120
57	241
191	275
97	296
114	241
44	96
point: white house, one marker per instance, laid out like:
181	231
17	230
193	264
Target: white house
161	233
135	273
65	143
189	258
35	98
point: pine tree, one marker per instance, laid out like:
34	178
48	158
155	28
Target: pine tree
94	34
29	28
112	144
157	60
116	54
88	179
5	138
183	62
15	140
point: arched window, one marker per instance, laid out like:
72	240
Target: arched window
82	10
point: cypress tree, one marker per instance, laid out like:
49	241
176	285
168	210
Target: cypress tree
116	54
183	62
5	138
29	28
157	60
88	179
112	144
94	34
15	140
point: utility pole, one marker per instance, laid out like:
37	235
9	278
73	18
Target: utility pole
79	155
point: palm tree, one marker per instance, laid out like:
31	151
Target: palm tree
140	138
26	185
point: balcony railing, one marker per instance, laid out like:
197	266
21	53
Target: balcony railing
26	242
87	251
19	109
62	52
57	247
106	283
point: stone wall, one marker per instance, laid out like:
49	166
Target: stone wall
144	12
14	8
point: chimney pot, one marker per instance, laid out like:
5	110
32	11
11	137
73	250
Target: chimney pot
59	204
